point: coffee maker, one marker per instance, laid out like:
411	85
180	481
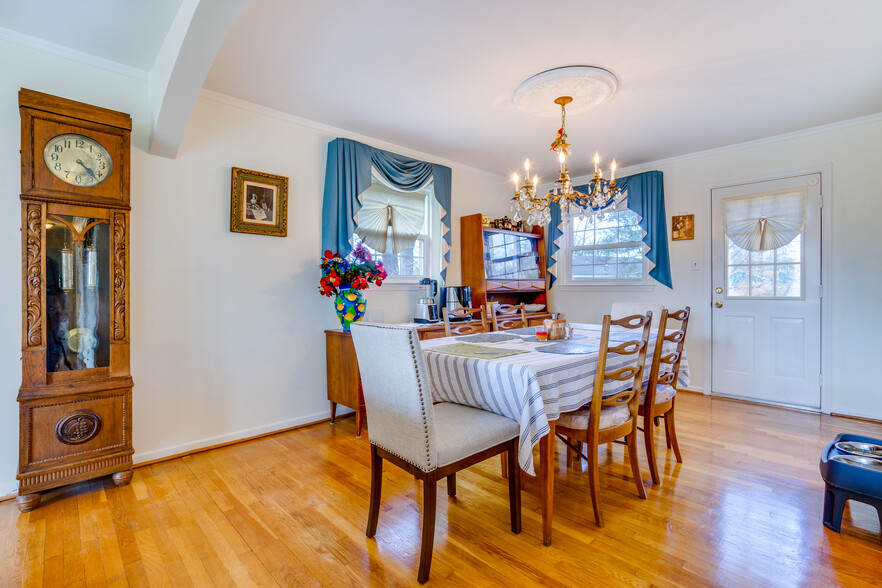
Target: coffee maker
453	297
426	309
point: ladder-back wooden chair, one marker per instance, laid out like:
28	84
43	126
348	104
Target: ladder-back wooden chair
509	316
657	399
614	416
431	442
623	309
465	327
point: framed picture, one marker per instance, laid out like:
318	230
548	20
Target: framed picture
259	203
683	227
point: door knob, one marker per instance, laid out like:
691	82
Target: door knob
718	304
718	290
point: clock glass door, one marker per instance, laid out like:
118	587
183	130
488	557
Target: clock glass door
77	293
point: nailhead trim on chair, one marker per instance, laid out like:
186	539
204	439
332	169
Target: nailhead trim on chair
422	405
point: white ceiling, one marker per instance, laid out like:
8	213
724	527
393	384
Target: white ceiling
126	31
437	77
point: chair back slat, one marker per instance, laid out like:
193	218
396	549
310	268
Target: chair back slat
396	392
667	376
509	316
626	348
622	374
464	328
620	309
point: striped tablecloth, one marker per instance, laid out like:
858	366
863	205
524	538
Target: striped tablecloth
530	388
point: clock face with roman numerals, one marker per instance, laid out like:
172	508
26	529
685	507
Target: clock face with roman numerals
77	160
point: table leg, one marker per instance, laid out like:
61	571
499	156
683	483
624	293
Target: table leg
546	480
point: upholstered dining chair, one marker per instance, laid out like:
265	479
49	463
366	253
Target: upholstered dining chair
428	441
657	399
465	327
509	316
623	309
614	416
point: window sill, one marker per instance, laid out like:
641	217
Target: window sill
397	286
605	287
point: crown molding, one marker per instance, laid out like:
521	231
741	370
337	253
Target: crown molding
72	54
335	131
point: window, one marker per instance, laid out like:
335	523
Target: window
419	260
609	249
774	273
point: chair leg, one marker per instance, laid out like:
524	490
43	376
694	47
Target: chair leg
594	486
451	485
671	434
635	463
376	488
514	487
649	442
503	465
427	540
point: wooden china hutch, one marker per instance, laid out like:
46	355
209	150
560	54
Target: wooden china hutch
75	400
503	266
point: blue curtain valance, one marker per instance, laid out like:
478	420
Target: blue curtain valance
646	197
348	174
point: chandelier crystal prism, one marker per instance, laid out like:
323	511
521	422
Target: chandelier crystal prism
528	205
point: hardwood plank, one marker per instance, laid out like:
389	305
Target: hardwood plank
291	509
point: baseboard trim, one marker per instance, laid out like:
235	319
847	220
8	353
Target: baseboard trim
178	451
856	418
237	441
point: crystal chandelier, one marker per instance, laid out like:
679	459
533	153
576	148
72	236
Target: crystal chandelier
528	205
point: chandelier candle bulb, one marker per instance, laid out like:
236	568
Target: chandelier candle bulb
589	203
612	171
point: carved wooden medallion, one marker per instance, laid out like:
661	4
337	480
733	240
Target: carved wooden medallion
78	427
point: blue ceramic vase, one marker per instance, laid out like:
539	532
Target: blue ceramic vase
350	306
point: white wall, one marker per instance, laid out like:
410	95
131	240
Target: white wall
227	337
853	151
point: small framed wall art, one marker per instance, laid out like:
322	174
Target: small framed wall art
259	203
683	227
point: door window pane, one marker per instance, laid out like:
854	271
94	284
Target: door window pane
774	273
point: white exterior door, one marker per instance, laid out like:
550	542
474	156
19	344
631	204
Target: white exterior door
766	252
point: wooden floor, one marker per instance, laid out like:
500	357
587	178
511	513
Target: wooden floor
744	509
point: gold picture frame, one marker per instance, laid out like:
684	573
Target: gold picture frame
259	203
683	227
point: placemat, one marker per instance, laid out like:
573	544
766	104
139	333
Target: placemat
476	351
569	348
533	339
487	338
523	331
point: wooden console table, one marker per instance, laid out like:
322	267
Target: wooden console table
344	381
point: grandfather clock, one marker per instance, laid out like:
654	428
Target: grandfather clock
75	400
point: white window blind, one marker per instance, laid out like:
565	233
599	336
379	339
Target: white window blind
765	223
382	208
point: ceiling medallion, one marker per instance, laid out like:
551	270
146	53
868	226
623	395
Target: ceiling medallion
527	204
589	87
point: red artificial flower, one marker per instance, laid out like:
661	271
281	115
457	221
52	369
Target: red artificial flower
328	254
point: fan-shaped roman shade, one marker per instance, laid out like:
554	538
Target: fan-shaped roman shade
382	207
767	222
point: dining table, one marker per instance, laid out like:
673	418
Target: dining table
532	382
